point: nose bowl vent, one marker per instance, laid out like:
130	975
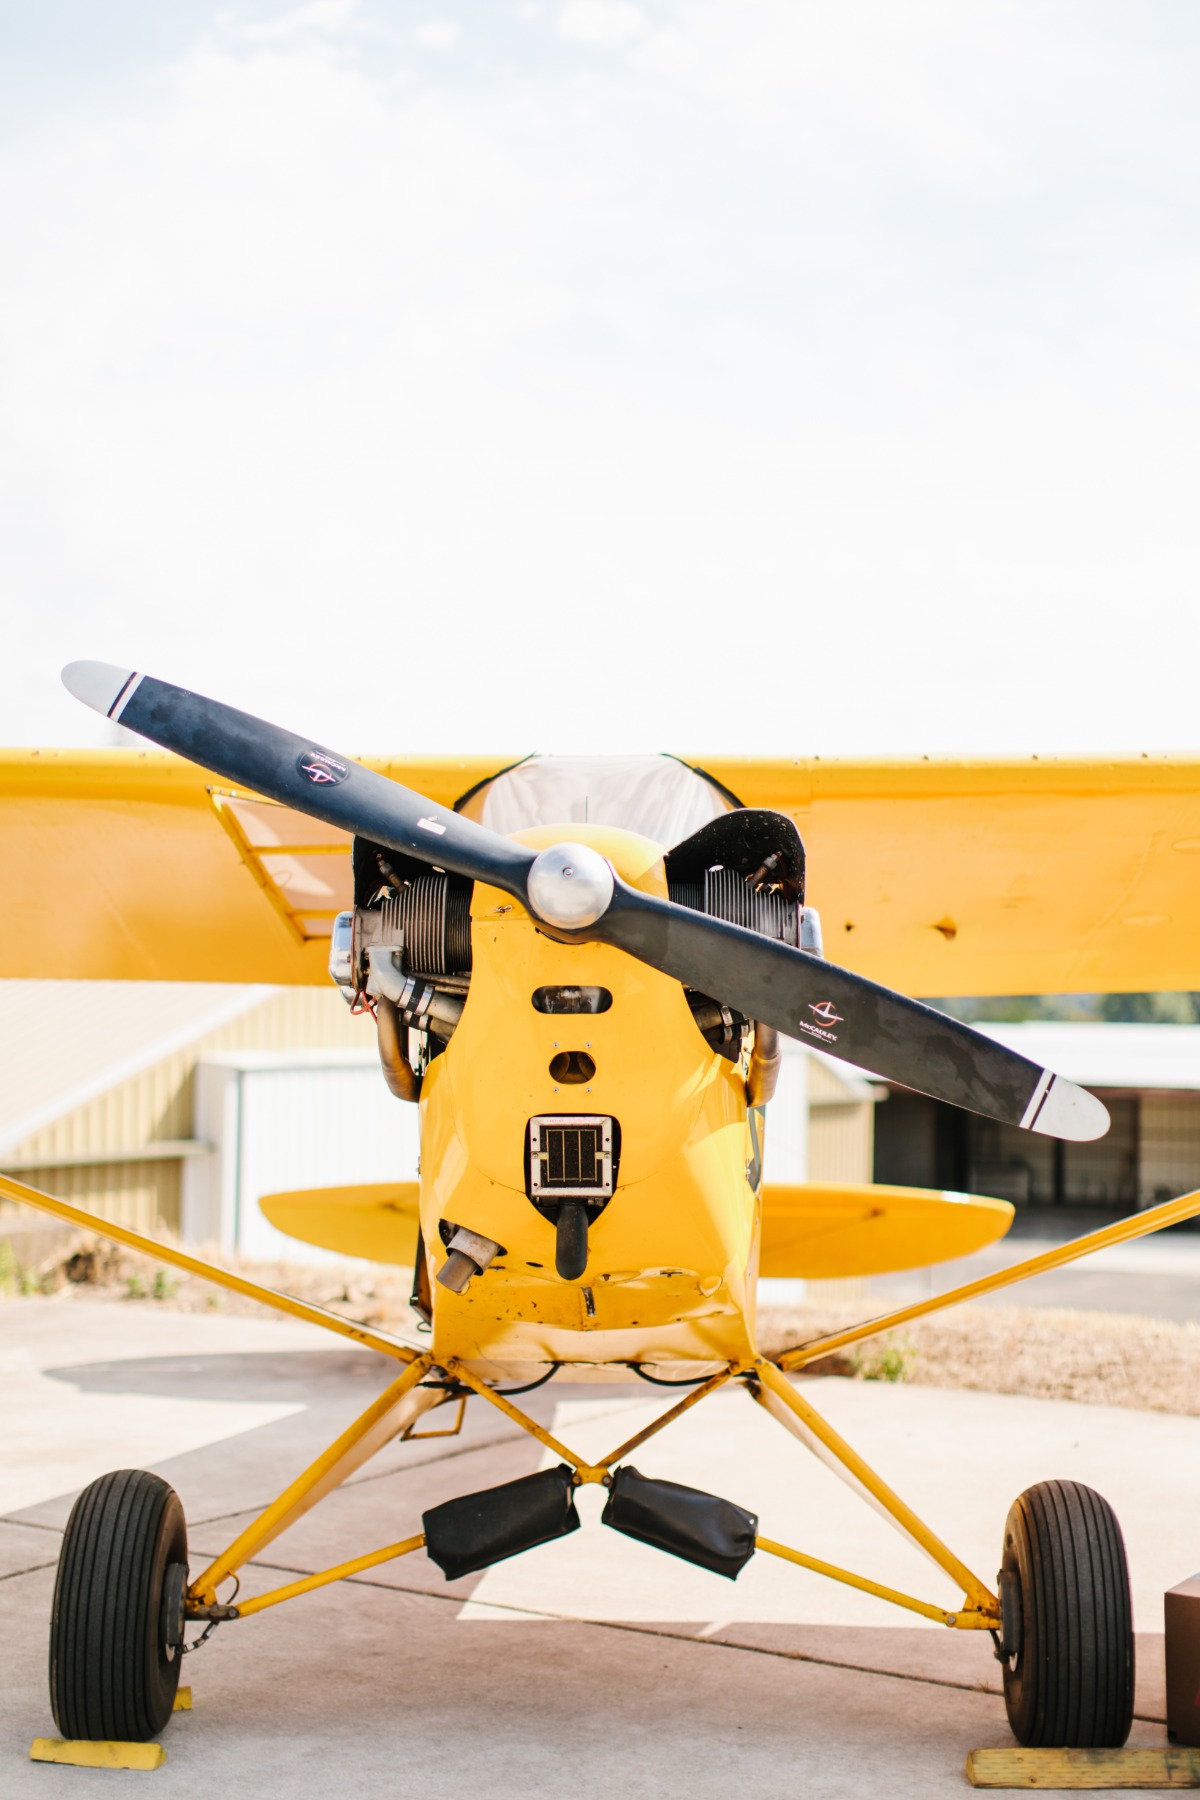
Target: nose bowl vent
571	1157
571	1068
571	1175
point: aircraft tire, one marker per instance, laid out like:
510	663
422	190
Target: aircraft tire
113	1672
1067	1642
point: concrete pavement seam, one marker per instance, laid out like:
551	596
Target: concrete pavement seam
681	1637
33	1569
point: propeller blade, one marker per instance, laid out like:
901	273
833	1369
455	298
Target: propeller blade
299	773
847	1016
573	891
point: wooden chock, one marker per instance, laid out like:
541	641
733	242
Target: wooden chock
97	1753
1132	1767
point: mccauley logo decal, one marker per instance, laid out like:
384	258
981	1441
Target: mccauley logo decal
826	1011
828	1014
320	769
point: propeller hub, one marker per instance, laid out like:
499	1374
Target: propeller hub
570	886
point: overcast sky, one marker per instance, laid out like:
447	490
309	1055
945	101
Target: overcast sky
739	375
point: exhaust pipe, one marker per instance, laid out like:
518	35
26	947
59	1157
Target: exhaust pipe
470	1254
762	1077
424	1007
398	1072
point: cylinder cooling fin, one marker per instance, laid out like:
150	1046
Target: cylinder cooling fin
431	917
747	868
406	949
763	848
725	894
400	900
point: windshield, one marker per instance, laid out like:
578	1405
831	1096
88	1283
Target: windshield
655	795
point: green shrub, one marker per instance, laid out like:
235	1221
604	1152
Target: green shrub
891	1359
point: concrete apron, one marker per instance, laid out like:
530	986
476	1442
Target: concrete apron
590	1665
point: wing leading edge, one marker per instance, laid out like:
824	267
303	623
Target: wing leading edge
933	877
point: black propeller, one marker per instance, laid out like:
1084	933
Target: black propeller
575	894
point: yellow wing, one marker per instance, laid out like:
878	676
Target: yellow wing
933	877
997	877
136	866
838	1229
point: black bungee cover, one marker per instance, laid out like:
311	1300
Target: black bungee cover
477	1530
684	1521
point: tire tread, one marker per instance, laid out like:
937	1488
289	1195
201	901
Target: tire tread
1072	1685
109	1677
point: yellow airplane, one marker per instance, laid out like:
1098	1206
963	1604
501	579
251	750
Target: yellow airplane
578	971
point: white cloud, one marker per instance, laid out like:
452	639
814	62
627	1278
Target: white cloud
438	34
605	24
805	378
317	17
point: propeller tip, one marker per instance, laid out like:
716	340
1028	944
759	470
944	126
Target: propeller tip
102	686
1071	1112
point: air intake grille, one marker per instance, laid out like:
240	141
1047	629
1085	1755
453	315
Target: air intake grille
570	1155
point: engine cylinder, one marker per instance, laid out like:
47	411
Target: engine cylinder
431	917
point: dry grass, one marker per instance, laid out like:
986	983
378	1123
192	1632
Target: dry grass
1102	1359
93	1268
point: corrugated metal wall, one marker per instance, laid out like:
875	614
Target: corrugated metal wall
1169	1146
320	1123
841	1127
80	1158
785	1157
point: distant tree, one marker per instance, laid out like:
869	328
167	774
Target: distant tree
1114	1009
1150	1009
1015	1009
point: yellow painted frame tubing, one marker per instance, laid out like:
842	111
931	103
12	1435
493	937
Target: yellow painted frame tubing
584	1471
341	1573
980	1611
383	1420
978	1597
965	1620
458	1373
1124	1231
366	1335
361	1440
380	1423
672	1413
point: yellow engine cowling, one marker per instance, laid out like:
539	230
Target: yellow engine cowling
671	1258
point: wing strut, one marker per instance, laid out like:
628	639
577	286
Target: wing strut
367	1335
